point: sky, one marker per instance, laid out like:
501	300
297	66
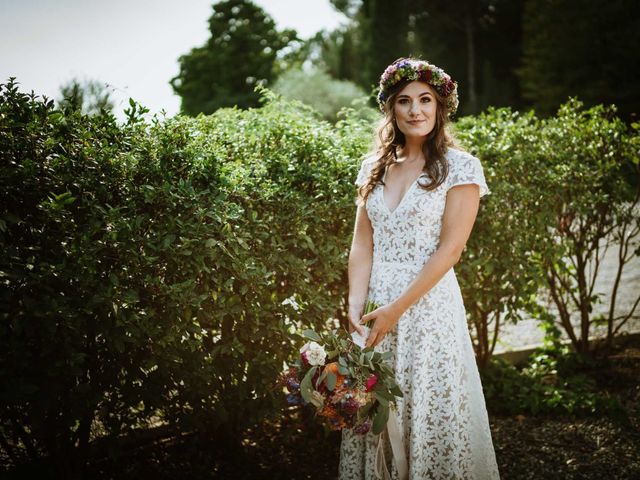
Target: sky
132	45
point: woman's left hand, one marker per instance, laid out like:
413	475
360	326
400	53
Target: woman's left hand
385	319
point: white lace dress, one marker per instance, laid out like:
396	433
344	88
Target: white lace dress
442	417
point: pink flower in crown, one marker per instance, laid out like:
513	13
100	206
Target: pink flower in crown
448	87
371	382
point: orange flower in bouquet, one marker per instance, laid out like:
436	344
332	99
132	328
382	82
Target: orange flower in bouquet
347	385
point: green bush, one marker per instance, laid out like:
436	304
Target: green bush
551	382
157	272
563	188
498	277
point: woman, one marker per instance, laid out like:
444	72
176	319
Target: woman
417	202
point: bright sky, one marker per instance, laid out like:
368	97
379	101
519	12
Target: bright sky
133	45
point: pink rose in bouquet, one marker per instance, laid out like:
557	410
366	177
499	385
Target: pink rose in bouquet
348	386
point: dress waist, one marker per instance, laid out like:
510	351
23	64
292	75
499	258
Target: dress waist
399	263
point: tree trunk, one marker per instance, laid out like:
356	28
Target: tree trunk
471	59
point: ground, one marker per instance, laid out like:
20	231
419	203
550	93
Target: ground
527	447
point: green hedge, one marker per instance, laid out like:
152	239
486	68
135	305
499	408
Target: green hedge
562	188
160	270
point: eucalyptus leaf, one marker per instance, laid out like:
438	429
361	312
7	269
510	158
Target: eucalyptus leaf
386	356
331	381
380	420
383	392
395	390
364	410
311	335
305	385
322	376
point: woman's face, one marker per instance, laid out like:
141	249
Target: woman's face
415	109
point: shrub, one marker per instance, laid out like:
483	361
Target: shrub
155	272
551	382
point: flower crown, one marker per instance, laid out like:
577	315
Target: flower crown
414	69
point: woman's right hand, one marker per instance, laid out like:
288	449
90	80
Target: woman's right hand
355	314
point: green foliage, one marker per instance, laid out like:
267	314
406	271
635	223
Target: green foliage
240	54
553	381
581	48
318	90
339	53
479	43
500	287
561	188
160	271
592	175
157	271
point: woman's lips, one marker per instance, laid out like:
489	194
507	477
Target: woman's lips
415	122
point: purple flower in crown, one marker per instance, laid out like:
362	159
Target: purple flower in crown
414	69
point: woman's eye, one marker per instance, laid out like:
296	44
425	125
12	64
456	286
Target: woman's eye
426	99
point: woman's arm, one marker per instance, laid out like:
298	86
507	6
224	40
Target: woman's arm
360	262
459	216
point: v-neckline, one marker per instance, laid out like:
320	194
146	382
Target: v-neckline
406	194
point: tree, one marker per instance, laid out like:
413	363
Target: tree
88	97
339	53
478	42
387	27
581	48
321	91
593	206
241	53
376	38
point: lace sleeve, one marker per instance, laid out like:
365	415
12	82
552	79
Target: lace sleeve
465	168
363	173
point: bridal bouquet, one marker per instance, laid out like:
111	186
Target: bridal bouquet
348	385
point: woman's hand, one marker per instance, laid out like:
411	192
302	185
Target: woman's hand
355	313
385	319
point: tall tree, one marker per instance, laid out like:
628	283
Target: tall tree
378	35
386	24
241	53
340	53
583	48
477	41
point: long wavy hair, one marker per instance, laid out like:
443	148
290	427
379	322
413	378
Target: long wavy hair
389	137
